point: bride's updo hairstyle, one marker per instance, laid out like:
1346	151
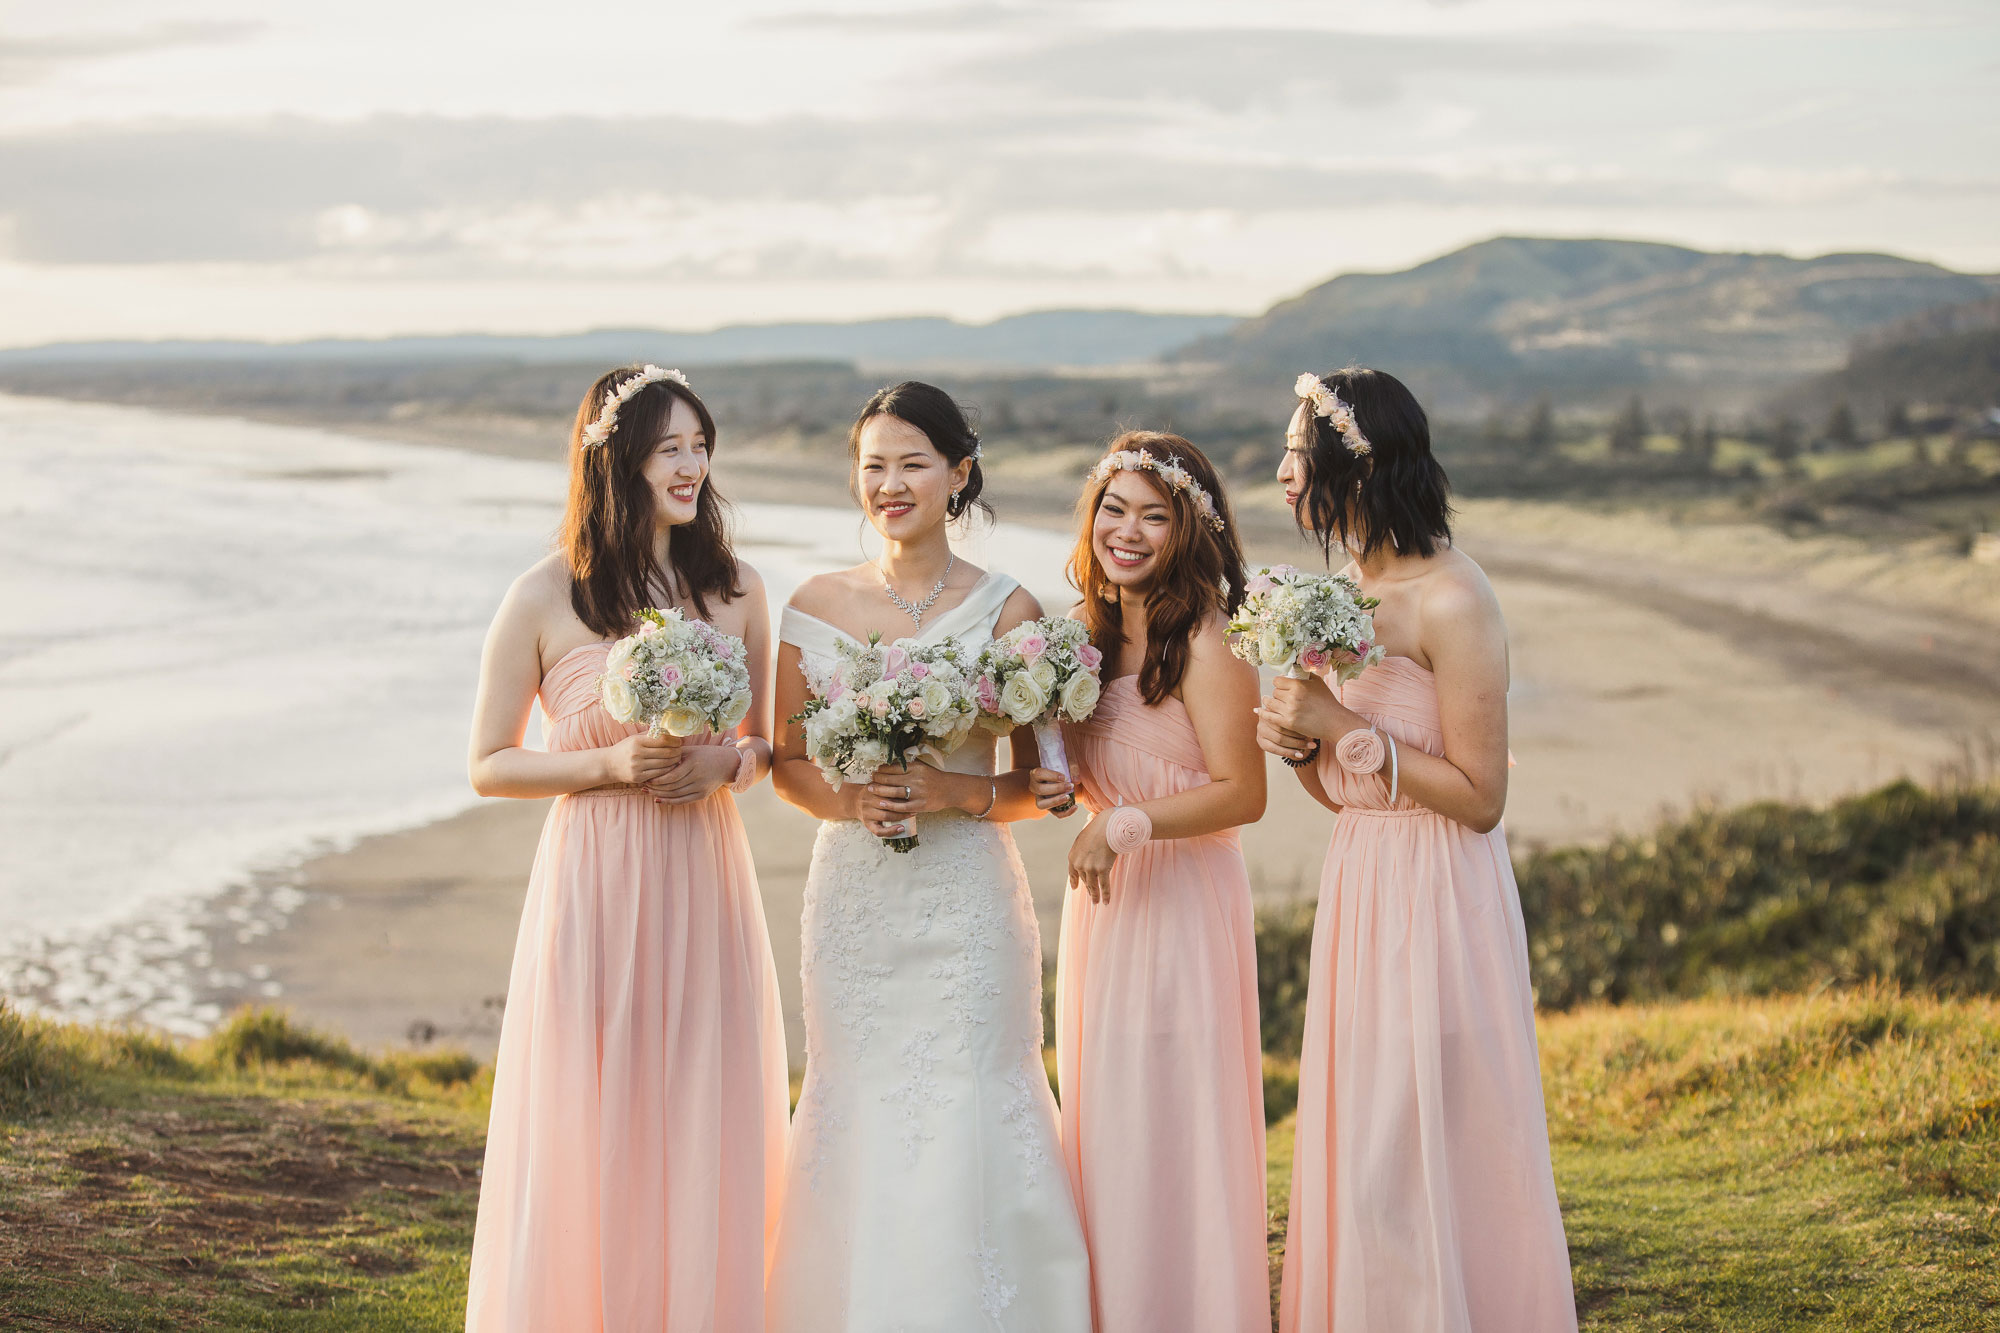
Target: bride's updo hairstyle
608	524
934	412
1385	489
1200	564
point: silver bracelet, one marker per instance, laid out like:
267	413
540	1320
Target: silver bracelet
992	797
1395	769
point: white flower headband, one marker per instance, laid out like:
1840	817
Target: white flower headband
1326	403
599	431
1176	476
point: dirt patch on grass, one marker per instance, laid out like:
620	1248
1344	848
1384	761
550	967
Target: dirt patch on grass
252	1195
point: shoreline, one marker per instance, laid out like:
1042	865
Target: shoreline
1643	684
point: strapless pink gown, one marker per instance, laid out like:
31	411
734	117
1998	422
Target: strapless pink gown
1422	1197
637	1137
1157	1049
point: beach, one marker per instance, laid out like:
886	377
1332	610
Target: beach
1646	678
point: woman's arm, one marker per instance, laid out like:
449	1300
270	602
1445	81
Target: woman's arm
793	776
510	673
1218	691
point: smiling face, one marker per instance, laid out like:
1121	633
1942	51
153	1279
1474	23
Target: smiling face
1130	532
1292	467
678	466
902	480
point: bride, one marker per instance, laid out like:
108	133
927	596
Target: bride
924	1186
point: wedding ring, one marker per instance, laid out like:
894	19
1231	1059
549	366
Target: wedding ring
906	793
1068	804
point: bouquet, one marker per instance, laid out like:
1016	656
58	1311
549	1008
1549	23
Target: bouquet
1036	674
676	676
1303	624
880	705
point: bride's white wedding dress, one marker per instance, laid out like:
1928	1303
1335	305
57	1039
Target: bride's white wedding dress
924	1186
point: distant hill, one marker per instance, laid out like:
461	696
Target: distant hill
1591	320
1956	373
1042	338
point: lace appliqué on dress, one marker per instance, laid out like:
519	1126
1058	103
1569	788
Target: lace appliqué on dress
995	1292
918	1091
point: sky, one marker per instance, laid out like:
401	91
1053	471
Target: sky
272	169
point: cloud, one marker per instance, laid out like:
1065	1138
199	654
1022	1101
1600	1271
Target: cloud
673	194
1232	69
25	60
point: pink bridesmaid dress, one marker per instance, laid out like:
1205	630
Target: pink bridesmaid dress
637	1137
1422	1197
1157	1049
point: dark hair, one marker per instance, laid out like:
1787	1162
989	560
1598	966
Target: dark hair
1201	569
1396	495
932	411
608	526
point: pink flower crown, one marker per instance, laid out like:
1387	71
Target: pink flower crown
599	431
1326	402
1176	476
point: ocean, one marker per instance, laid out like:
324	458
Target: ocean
227	647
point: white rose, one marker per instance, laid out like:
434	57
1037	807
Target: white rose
1272	648
621	653
1079	697
937	698
620	699
736	709
1043	673
682	721
868	756
1022	700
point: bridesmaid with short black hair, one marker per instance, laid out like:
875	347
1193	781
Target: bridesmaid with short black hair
1422	1195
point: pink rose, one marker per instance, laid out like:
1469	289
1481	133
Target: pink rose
918	671
670	675
1257	583
894	659
879	707
1090	657
835	691
1033	647
915	707
1316	658
989	695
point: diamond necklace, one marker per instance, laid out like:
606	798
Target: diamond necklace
916	613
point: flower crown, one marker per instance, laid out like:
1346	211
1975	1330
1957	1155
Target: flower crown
599	431
1326	402
1176	476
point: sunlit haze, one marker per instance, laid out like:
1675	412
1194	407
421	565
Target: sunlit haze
227	168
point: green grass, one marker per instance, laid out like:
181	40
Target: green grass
1771	1165
267	1179
1751	1165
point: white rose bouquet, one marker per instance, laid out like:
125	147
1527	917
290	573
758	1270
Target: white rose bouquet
1305	624
890	704
676	676
1037	674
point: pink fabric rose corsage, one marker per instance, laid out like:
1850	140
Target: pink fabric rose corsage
1361	751
1127	828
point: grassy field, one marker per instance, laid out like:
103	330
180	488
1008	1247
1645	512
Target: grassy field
1757	1165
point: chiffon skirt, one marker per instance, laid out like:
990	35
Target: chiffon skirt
1422	1195
634	1157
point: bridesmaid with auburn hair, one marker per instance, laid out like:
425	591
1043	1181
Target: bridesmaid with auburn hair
1157	1045
637	1136
1422	1195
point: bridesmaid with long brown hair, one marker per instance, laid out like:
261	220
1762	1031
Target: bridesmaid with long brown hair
638	1122
1157	1048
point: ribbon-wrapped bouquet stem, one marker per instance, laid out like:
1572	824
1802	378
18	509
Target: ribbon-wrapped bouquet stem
1038	674
888	704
